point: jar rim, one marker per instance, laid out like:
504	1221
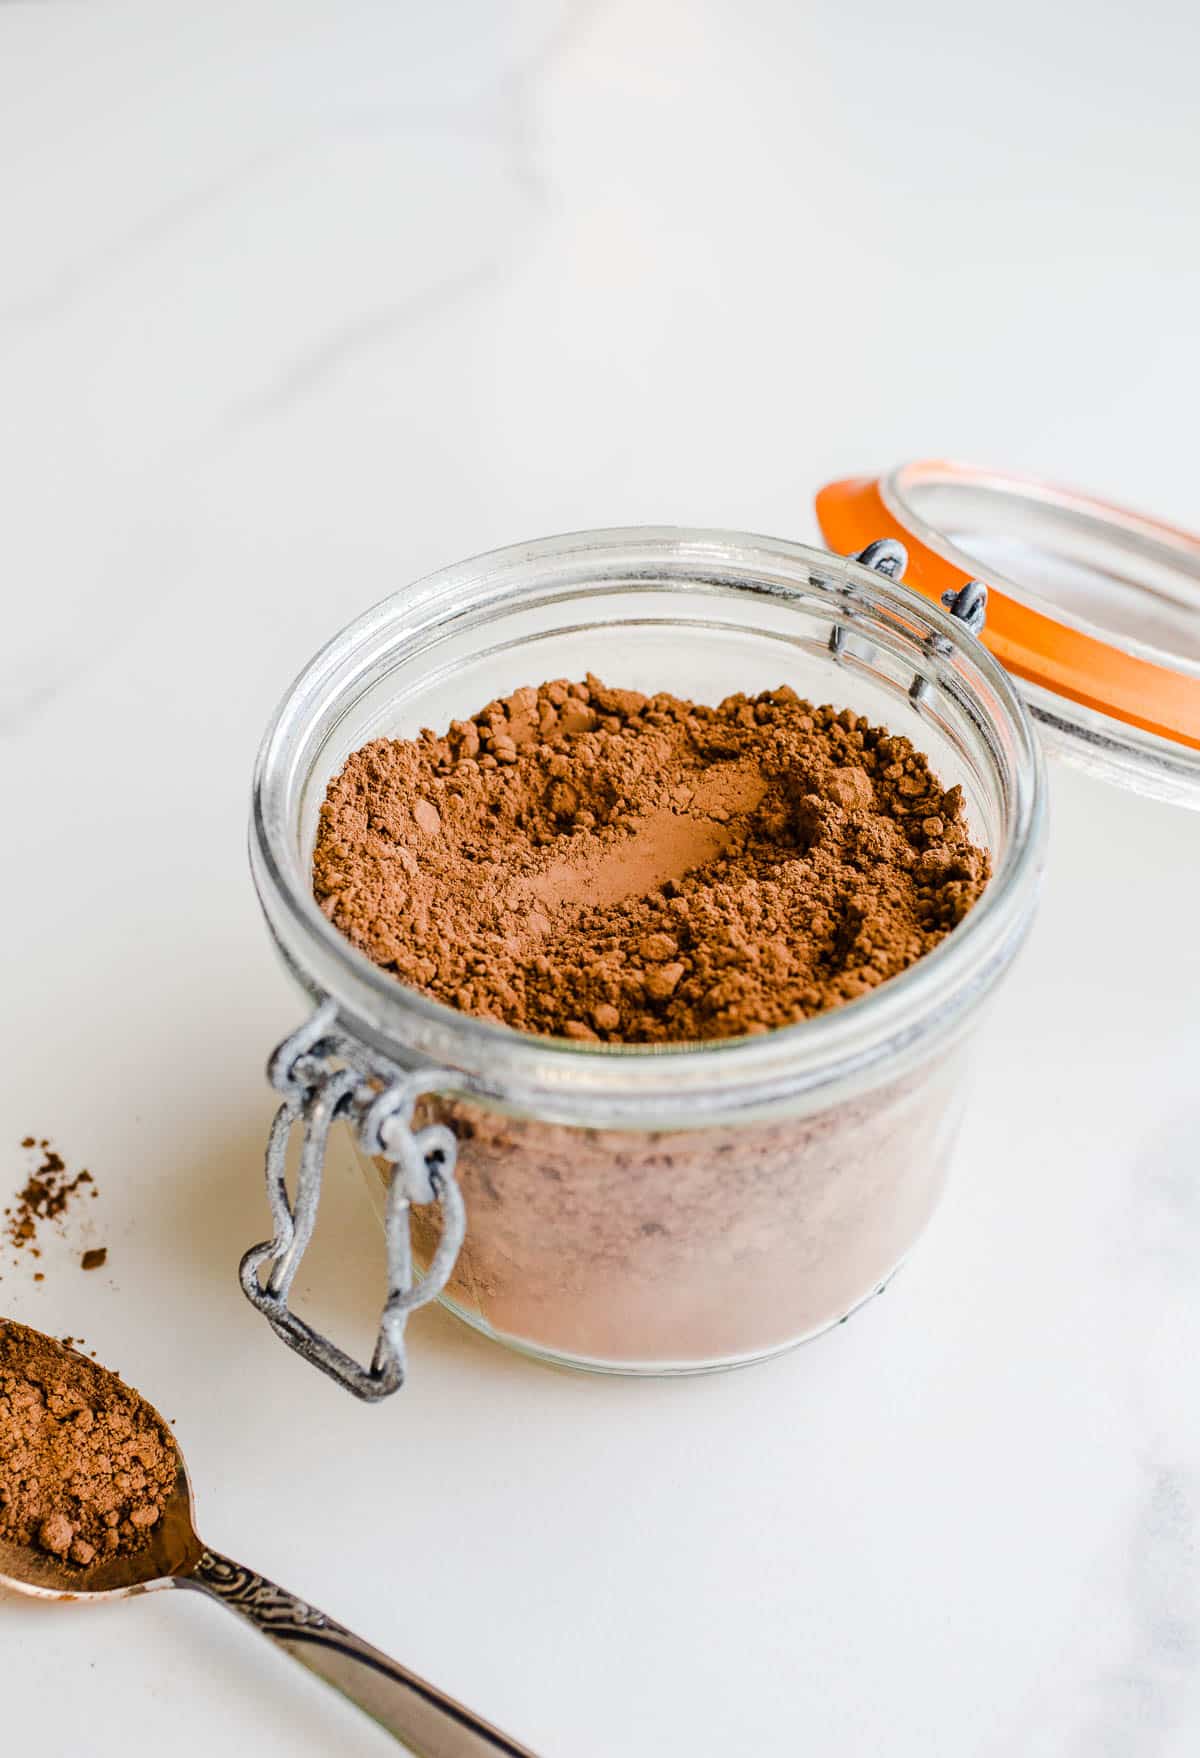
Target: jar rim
674	1081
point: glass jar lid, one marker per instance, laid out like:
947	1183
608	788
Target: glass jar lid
1095	609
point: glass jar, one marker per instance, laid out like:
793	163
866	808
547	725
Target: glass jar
678	1208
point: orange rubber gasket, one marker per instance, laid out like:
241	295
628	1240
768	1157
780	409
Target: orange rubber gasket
1031	645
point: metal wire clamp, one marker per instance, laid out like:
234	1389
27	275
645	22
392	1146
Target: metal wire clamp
969	605
324	1075
888	556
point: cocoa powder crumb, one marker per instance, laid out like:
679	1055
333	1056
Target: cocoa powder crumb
599	864
86	1465
46	1195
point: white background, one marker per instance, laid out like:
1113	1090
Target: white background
300	300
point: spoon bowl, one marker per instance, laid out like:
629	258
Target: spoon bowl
428	1723
173	1550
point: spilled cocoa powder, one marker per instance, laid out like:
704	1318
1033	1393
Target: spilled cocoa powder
48	1192
600	864
86	1465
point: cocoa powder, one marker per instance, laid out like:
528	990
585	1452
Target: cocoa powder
86	1465
599	864
49	1190
645	1248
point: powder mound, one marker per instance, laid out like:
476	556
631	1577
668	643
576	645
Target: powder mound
598	864
86	1466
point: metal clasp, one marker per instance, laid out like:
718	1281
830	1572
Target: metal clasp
889	557
325	1075
969	605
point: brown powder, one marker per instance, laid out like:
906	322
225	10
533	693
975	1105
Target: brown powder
648	1247
47	1194
599	864
86	1466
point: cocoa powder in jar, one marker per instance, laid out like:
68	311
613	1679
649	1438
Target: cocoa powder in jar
688	1247
599	864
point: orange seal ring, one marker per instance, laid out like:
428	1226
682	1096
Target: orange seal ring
1053	655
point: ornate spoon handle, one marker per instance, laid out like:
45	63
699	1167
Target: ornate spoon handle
429	1724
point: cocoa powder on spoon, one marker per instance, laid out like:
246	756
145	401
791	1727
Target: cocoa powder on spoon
86	1466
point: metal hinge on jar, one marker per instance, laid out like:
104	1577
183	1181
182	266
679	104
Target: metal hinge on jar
326	1076
889	557
969	605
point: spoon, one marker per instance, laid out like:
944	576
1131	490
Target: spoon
430	1724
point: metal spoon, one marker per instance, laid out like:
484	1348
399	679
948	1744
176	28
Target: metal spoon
430	1724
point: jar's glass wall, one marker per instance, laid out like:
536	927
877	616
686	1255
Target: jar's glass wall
669	1251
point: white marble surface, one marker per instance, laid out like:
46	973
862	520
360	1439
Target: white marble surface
298	300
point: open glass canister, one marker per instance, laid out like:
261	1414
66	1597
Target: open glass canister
643	1210
678	1208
